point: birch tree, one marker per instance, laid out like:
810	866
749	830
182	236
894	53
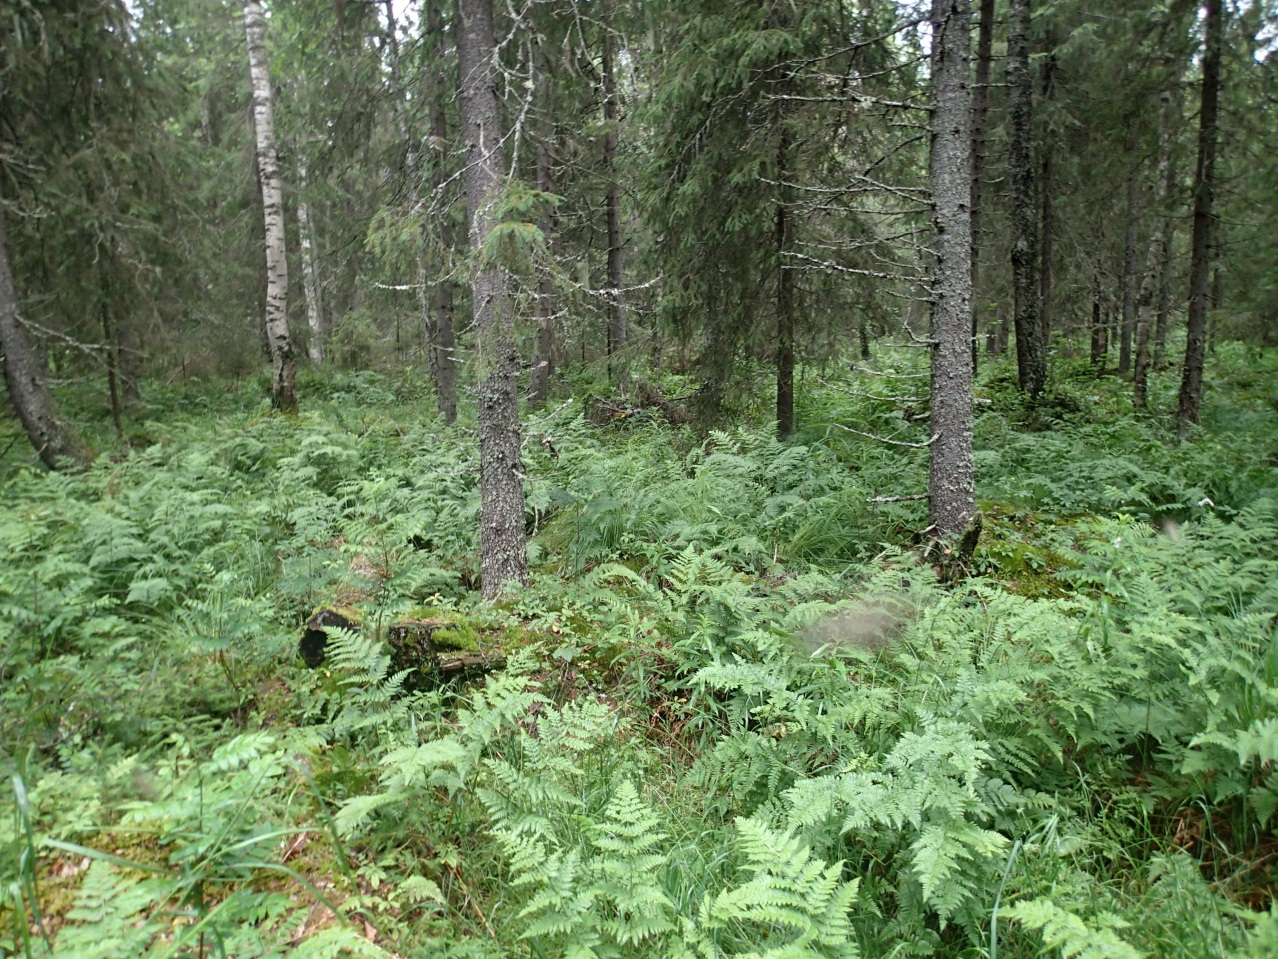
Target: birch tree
310	271
283	391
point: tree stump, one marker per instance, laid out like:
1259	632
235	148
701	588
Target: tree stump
314	640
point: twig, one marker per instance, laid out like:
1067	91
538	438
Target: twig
899	499
884	439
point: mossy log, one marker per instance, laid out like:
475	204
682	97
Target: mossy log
435	648
438	650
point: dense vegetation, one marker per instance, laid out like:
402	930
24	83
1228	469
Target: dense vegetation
785	479
738	717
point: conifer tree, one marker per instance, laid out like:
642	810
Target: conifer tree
501	516
1191	384
25	376
952	488
1031	360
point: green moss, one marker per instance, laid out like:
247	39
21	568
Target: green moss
349	613
1010	550
451	629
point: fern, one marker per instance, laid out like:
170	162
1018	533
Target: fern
1074	938
792	906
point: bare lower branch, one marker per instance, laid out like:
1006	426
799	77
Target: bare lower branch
871	396
891	442
895	376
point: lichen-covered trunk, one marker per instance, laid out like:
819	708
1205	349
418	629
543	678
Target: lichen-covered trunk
980	122
24	375
1191	383
310	270
503	547
951	486
617	332
283	391
1031	359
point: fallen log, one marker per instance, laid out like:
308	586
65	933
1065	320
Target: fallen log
433	649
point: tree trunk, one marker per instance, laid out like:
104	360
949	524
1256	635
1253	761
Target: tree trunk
1046	219
443	358
310	270
444	350
951	486
1031	361
785	300
110	344
1191	384
617	332
1130	254
24	375
1100	339
504	558
543	363
1045	259
1164	285
1151	286
980	120
283	392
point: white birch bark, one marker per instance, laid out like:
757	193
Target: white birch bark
310	271
283	392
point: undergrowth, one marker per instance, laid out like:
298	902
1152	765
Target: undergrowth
737	716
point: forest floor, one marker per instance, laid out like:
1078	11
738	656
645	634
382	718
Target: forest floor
733	713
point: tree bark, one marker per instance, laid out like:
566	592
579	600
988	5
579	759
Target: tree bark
980	121
951	486
1164	290
1045	258
283	391
1152	281
617	332
310	270
544	362
443	340
1031	361
785	299
1130	254
504	558
1100	335
110	343
24	375
1191	384
1046	214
